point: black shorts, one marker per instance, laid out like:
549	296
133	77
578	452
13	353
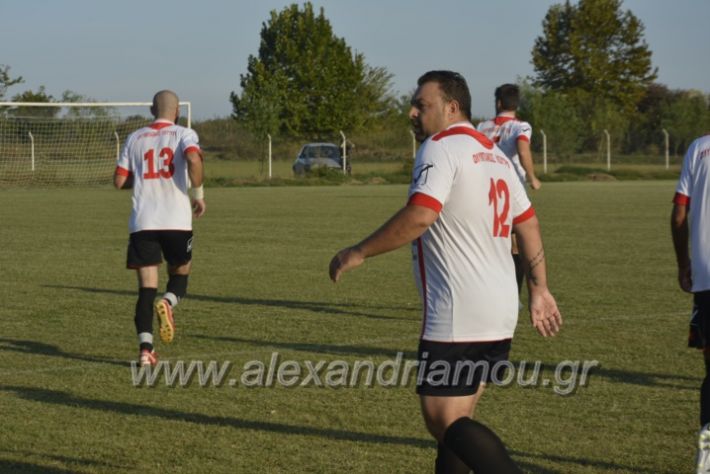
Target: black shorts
146	248
455	369
699	334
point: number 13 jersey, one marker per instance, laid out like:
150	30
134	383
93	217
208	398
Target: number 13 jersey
155	157
462	264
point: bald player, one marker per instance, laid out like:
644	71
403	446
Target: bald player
157	161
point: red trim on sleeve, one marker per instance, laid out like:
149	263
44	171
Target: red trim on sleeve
421	199
481	138
681	199
122	171
523	138
194	148
524	216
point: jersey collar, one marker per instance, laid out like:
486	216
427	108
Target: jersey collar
160	123
504	117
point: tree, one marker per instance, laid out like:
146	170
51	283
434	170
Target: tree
34	96
686	117
6	81
306	81
594	51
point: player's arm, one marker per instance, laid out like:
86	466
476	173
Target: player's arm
679	231
526	160
122	179
544	314
405	226
195	170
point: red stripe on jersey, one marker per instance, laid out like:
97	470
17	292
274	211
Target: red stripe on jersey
523	138
421	199
501	119
122	171
196	149
482	139
681	199
422	276
159	125
524	216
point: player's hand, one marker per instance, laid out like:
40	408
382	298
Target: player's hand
685	279
345	260
535	184
544	315
199	207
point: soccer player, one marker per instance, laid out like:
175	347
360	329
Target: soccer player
692	198
157	162
513	137
464	201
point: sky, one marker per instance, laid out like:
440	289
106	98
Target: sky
127	50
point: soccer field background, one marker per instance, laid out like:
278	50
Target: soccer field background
260	286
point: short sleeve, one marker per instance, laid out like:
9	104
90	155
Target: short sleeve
190	142
123	163
432	177
524	132
520	207
685	184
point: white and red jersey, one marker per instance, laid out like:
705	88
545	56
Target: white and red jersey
693	190
462	263
506	131
155	156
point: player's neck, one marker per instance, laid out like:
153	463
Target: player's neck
507	113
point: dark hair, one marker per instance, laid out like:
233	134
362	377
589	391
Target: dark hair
453	86
509	96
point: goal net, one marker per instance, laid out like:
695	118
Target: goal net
67	143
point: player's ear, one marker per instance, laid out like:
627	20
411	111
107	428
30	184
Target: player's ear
453	108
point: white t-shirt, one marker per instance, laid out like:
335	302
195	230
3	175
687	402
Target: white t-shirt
505	131
462	263
155	156
693	190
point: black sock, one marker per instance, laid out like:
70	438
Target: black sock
177	285
519	272
705	396
479	447
448	463
144	314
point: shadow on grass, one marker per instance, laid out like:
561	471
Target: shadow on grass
67	399
23	466
41	348
28	468
645	379
313	306
311	347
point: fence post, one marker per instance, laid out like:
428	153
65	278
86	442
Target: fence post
544	151
32	149
269	135
665	135
414	143
345	153
608	150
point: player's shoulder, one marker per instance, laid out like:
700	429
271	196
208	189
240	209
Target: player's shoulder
457	133
485	124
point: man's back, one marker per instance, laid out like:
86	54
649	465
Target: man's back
155	156
694	190
462	263
505	131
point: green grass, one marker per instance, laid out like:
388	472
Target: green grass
260	285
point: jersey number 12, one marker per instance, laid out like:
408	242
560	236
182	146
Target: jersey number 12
499	191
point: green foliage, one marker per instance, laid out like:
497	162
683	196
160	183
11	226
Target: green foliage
34	96
553	113
6	81
594	52
307	82
686	117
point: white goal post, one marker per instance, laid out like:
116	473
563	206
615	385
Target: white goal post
63	143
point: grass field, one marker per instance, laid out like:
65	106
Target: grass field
260	286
